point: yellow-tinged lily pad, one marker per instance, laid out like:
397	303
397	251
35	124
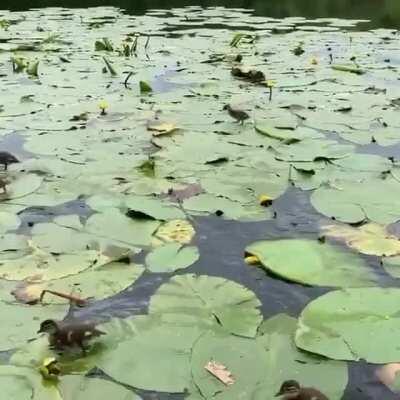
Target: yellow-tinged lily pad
177	230
371	238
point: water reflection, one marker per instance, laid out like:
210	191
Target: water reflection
382	13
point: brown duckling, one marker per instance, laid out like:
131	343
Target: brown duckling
69	333
237	114
7	158
291	390
3	184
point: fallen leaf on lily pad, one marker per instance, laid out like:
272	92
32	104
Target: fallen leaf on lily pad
371	238
164	128
28	293
220	372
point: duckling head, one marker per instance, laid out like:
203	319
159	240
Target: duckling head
289	390
48	326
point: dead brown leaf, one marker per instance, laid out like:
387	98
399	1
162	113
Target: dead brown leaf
163	128
27	292
387	373
220	372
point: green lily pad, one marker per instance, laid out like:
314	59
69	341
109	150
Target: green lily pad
132	361
75	387
353	202
95	283
170	257
125	231
40	265
154	208
15	387
21	323
342	324
286	361
23	185
313	263
245	359
8	221
207	203
208	300
392	266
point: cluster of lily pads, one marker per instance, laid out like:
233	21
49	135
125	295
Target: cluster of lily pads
125	115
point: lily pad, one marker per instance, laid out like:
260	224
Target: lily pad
371	239
23	185
209	301
21	323
170	257
244	358
74	387
392	266
286	361
132	362
40	265
313	263
342	324
353	202
95	283
15	387
113	225
178	230
8	221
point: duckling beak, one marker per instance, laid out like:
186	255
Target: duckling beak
280	393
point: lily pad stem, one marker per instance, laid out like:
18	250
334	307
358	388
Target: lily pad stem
127	79
73	299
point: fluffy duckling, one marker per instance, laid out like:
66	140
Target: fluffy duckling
3	184
69	333
291	390
239	115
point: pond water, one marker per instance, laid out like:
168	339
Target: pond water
133	176
381	13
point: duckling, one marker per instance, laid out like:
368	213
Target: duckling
291	390
237	114
3	184
69	333
7	158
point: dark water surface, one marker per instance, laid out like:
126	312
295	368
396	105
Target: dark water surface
382	13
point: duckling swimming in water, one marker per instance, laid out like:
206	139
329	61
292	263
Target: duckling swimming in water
291	390
237	114
69	333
